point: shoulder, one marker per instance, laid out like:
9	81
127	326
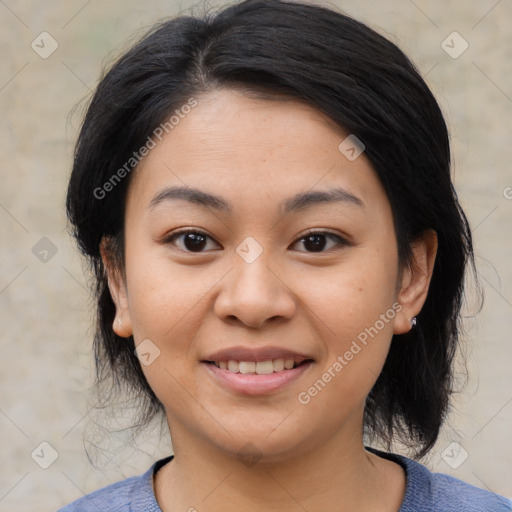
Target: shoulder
133	494
471	498
112	497
438	492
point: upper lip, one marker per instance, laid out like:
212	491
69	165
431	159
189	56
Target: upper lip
256	354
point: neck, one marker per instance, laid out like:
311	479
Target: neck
338	474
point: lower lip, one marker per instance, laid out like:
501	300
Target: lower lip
254	384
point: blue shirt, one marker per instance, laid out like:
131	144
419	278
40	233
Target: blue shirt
425	492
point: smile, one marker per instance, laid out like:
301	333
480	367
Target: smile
256	377
259	367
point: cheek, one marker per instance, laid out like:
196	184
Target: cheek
166	309
353	297
169	305
356	310
164	296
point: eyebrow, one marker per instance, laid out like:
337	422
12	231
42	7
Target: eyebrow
298	202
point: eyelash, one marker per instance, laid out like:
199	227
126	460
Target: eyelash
341	241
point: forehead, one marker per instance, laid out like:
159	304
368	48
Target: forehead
252	149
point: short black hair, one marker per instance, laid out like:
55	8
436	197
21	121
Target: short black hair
363	82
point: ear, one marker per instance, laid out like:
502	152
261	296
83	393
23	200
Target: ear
416	280
122	325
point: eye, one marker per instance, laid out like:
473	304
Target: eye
196	241
315	240
193	240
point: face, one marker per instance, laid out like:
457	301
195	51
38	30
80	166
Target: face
260	317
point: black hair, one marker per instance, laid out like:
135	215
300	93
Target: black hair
366	85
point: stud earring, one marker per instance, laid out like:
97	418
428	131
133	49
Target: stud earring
413	321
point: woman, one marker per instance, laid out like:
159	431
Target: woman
265	196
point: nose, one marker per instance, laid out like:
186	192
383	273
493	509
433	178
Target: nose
254	294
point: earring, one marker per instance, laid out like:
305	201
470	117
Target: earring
413	321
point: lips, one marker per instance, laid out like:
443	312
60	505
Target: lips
259	367
256	355
256	371
262	361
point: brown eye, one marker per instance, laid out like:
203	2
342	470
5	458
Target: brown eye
197	241
191	240
315	241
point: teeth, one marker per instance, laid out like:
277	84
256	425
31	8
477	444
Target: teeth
259	367
233	366
278	364
288	364
264	367
246	367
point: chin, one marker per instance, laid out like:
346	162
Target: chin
265	446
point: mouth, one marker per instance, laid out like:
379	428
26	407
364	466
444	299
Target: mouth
258	367
255	372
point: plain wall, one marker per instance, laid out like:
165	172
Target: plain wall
46	312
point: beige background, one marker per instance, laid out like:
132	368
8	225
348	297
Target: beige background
45	309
